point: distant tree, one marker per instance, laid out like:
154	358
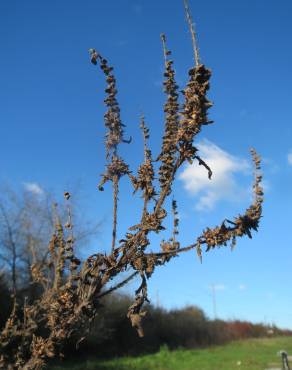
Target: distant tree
73	291
27	221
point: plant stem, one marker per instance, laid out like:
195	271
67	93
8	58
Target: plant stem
115	200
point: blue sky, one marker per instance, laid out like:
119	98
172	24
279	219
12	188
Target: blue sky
51	127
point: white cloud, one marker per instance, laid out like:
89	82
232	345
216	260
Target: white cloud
122	43
223	184
266	185
290	158
33	187
270	166
218	287
242	287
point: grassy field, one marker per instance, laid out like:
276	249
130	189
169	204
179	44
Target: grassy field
255	354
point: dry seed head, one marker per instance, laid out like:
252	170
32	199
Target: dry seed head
145	176
112	118
194	113
168	153
67	195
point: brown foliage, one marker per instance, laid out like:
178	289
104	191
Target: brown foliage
72	290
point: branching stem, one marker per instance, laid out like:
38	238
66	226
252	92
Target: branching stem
115	209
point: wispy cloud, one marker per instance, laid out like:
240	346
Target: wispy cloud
218	287
289	157
122	43
270	166
223	184
33	187
242	287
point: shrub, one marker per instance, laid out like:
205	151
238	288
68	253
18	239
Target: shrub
72	291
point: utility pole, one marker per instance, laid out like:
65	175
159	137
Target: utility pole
214	301
157	299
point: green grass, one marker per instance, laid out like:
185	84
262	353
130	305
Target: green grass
255	354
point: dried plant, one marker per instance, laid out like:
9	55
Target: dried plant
73	290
